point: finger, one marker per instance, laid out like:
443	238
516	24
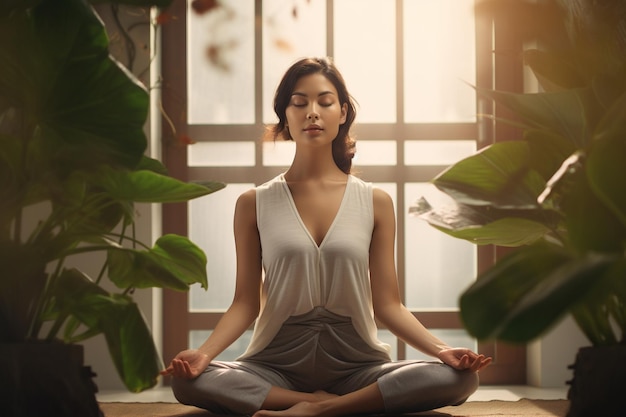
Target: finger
480	363
179	369
167	371
475	366
464	362
485	363
187	369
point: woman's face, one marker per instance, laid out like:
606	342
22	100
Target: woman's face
314	112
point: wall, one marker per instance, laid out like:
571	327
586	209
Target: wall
548	358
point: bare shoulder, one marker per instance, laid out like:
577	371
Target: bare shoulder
246	205
382	200
247	197
383	205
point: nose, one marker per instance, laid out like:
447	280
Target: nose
313	114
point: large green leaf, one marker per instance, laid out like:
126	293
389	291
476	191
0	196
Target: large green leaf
61	75
563	113
549	301
605	164
498	175
83	209
605	172
511	232
484	225
527	292
607	89
601	314
130	342
146	186
486	304
547	151
553	72
118	317
613	122
174	262
70	290
591	225
151	164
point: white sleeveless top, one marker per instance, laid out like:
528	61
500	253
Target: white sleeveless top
300	275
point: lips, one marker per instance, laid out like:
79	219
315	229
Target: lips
313	128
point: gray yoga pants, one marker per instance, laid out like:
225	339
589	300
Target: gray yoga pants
320	350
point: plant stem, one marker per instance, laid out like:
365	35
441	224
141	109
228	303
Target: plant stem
26	132
43	301
54	330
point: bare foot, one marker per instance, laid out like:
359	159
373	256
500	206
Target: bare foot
323	395
303	409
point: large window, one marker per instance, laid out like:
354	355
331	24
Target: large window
410	64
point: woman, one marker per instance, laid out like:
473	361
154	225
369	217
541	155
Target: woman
325	240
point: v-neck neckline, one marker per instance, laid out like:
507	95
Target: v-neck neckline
294	207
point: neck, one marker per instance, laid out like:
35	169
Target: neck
314	168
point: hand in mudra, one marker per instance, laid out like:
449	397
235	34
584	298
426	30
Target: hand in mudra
462	358
187	364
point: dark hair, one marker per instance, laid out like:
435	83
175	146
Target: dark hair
343	145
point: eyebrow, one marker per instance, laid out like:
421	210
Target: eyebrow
323	93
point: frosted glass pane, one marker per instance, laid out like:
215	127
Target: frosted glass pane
439	61
437	152
365	52
197	337
220	64
375	152
211	228
221	154
290	31
438	267
453	337
279	153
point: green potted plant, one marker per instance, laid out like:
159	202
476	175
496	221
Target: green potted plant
559	197
72	166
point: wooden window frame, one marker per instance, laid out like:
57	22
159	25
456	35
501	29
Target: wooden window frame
498	66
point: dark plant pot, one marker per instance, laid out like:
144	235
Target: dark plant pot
597	388
46	379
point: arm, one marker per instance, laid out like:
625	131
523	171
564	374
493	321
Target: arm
388	306
246	301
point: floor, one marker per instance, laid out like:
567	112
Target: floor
484	393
